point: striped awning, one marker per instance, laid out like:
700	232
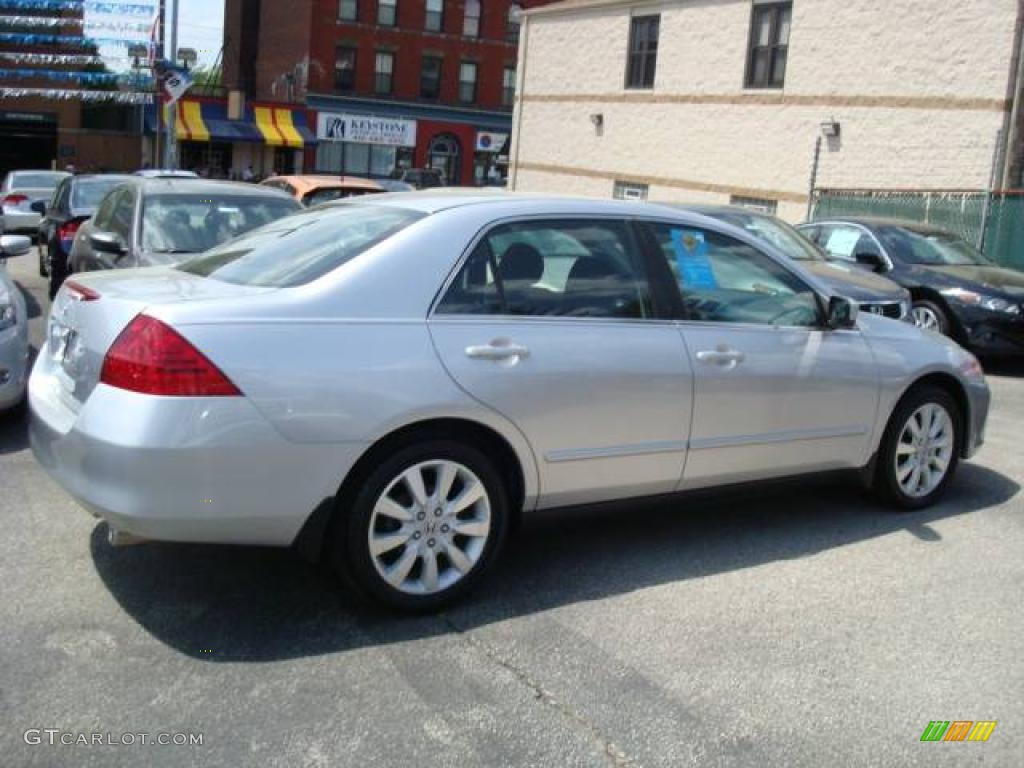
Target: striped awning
207	121
282	127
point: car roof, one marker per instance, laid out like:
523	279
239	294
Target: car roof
712	209
196	186
317	181
446	198
873	222
93	176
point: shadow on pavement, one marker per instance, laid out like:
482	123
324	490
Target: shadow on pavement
32	305
1004	366
14	430
249	604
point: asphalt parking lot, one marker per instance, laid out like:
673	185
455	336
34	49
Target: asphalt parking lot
794	624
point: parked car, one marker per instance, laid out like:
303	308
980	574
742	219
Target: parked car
313	190
389	381
873	293
19	191
74	201
422	178
143	221
13	327
956	290
166	173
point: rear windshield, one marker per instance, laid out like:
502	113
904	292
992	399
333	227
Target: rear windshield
36	180
936	248
302	247
193	223
87	193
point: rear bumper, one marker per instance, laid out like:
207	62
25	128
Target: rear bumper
21	222
181	469
13	365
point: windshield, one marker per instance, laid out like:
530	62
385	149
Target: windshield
191	223
937	248
303	247
776	232
87	193
36	180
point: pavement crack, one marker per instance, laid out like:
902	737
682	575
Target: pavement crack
580	722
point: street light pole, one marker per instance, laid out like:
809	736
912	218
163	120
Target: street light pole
171	145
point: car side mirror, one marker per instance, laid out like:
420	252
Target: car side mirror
871	260
842	313
14	245
108	242
39	206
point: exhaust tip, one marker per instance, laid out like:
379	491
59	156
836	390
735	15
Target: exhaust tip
119	538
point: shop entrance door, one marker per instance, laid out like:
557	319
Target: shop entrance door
445	154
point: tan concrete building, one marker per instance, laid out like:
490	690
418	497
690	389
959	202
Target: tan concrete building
719	100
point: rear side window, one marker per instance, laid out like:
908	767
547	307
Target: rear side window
300	248
572	268
87	193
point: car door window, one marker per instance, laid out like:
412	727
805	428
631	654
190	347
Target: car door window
123	214
101	220
841	241
721	279
568	268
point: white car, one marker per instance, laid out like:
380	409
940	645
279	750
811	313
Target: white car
13	327
20	191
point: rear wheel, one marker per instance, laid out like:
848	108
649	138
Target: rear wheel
920	449
424	526
930	316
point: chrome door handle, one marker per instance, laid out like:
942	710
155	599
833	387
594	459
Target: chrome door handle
723	356
497	350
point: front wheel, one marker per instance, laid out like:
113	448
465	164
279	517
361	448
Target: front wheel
920	449
424	527
930	316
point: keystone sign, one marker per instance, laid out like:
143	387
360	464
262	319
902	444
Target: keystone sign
332	126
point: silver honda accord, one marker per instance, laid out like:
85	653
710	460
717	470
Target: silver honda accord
387	382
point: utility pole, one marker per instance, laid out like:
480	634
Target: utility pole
171	145
814	177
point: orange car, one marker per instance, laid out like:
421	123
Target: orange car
310	190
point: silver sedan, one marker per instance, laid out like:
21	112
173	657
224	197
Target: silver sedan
387	383
13	327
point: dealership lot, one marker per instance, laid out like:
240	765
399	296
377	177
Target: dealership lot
793	624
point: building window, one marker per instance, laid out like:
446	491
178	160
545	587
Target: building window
435	16
430	77
769	44
348	10
508	86
383	69
345	69
467	82
761	204
512	23
626	190
387	12
471	21
643	51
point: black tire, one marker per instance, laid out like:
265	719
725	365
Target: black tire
58	274
886	483
941	316
349	551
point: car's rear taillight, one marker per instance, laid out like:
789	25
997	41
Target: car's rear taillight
15	199
66	233
152	358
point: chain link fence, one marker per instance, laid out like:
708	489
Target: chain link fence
993	221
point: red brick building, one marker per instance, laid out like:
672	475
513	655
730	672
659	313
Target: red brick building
386	83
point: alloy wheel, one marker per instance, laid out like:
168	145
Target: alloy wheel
924	450
926	318
429	527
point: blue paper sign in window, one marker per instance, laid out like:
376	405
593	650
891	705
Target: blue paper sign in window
691	251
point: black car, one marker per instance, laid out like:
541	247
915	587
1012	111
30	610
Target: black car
150	221
955	289
74	200
421	178
873	293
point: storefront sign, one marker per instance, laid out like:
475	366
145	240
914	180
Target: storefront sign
363	129
488	141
